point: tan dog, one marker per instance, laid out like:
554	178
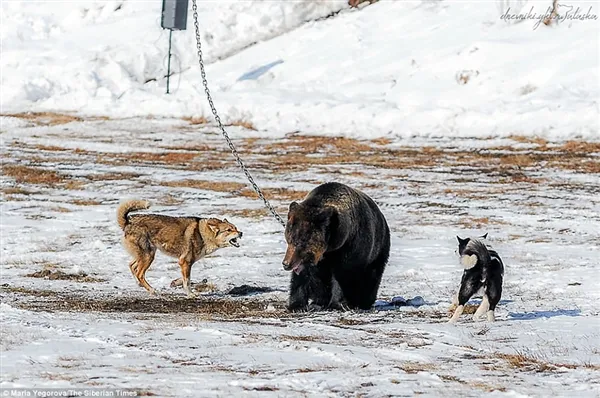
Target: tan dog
186	238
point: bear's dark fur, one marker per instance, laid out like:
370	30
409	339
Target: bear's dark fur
338	246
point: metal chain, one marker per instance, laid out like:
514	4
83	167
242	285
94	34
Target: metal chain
218	120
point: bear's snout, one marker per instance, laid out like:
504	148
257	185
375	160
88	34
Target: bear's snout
286	266
292	261
288	260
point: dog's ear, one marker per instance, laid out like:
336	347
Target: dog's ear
213	225
225	220
460	240
484	236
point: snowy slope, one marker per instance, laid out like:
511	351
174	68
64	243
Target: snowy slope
392	68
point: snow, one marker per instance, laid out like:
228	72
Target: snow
546	234
390	69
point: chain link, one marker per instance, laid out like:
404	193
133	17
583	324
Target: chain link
218	120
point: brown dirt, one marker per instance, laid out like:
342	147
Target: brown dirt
207	307
63	276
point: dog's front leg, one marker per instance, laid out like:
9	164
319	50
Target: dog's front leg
186	270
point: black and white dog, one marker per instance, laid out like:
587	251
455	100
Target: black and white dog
483	274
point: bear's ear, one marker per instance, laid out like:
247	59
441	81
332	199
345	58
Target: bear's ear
484	236
294	206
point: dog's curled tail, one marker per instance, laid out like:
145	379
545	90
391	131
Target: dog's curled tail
126	207
475	253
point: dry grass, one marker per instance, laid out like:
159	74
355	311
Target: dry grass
188	147
85	202
170	200
60	209
46	118
155	157
250	213
260	388
299	153
351	321
485	386
284	194
46	264
17	191
322	368
301	338
50	148
243	123
530	140
56	376
311	144
218	186
479	222
524	360
112	176
468	310
33	175
195	120
519	160
412	367
579	147
39	176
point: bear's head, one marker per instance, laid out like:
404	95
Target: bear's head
306	233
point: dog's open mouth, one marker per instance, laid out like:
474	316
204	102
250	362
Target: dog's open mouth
234	242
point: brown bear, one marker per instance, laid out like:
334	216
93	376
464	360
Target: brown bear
338	245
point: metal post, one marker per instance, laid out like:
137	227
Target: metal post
169	60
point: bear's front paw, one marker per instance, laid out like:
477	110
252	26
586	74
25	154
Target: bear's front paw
296	307
312	307
339	306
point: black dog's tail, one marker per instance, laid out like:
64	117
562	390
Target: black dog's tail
486	257
129	206
476	254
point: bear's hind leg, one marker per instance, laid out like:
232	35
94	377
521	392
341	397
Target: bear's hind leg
368	287
338	301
